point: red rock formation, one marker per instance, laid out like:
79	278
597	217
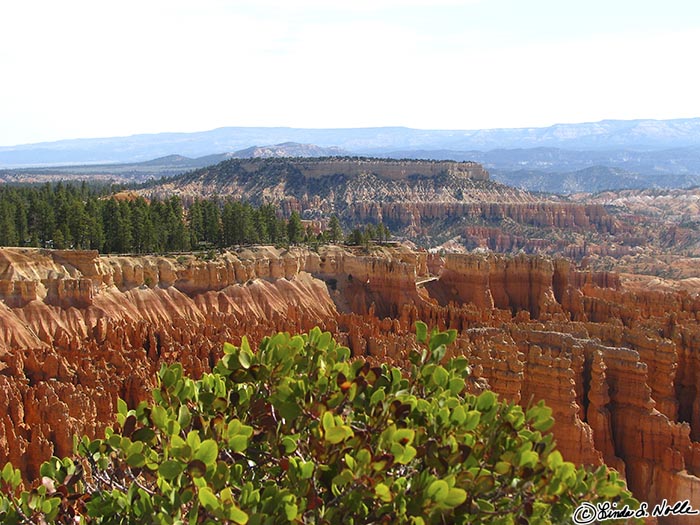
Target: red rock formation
618	366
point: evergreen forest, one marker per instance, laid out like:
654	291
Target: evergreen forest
82	216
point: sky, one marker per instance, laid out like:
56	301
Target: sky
86	68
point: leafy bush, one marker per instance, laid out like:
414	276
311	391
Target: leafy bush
297	432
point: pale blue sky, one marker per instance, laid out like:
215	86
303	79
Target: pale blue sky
84	68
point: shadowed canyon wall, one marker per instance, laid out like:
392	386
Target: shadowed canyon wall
619	367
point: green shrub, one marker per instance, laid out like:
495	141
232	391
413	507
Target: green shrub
297	432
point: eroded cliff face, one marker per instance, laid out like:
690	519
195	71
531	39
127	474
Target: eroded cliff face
617	363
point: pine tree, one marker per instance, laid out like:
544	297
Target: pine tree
335	231
195	219
211	222
94	229
8	230
294	228
59	242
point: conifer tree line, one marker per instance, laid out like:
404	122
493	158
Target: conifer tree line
69	216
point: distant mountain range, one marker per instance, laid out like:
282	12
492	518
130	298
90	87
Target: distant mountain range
564	158
637	135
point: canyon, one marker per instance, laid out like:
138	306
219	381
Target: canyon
617	359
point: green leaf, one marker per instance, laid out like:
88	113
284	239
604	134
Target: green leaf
529	458
324	341
208	498
472	420
245	357
328	421
440	376
442	338
456	385
306	470
47	469
459	415
382	492
121	407
350	461
170	469
49	506
289	444
406	455
136	460
485	401
207	452
609	491
159	416
16	479
8	471
455	497
421	331
291	510
184	417
541	416
554	460
335	435
167	377
438	490
363	457
502	467
377	397
485	506
236	515
404	436
238	443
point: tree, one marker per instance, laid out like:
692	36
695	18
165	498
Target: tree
295	230
272	224
335	231
383	233
59	241
95	230
195	219
174	234
356	237
142	231
212	222
76	224
111	219
8	230
298	432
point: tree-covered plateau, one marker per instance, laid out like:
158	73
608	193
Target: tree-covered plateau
300	432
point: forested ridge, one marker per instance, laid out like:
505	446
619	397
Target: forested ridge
70	216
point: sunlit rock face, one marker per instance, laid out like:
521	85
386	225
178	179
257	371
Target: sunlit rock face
618	364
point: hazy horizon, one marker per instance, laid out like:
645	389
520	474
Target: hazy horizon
80	69
180	132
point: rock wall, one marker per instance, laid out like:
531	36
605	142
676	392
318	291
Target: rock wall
618	366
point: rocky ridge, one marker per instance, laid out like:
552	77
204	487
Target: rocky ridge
427	202
618	365
454	206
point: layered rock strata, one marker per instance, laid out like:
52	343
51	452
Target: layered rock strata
618	366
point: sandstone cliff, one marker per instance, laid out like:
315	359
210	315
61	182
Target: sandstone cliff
618	364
